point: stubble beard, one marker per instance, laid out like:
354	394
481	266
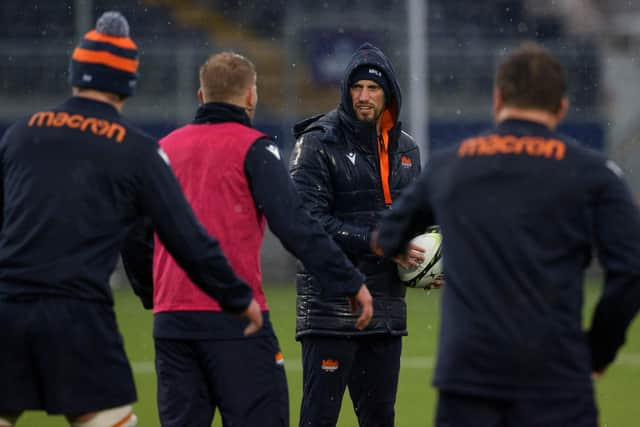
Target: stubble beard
371	117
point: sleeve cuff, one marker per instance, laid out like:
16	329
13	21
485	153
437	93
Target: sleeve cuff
237	300
353	286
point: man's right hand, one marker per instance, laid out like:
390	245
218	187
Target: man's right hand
412	258
254	315
363	300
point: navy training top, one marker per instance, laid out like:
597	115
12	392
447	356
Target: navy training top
74	180
521	208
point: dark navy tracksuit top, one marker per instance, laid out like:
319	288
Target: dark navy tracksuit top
74	180
520	209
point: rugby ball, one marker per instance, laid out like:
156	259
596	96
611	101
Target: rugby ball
426	273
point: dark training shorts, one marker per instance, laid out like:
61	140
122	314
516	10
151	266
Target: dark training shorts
63	356
244	378
456	410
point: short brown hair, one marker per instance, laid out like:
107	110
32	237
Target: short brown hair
226	75
531	77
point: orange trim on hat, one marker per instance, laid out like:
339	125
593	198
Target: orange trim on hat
124	42
105	58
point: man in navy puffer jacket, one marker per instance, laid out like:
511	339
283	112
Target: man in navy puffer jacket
348	166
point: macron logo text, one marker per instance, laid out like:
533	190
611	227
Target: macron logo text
94	125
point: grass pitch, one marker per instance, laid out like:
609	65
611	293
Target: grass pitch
617	391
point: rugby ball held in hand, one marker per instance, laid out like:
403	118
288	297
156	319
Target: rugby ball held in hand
426	273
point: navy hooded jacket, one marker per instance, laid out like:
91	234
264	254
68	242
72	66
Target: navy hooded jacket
335	166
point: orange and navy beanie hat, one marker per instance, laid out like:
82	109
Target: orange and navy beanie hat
106	58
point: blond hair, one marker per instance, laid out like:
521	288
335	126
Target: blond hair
225	76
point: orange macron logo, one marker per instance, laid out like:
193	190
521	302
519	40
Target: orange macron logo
330	365
94	125
406	161
509	144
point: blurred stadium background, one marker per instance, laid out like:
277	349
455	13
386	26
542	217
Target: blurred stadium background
445	52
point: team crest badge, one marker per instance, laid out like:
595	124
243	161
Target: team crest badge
406	162
330	365
279	359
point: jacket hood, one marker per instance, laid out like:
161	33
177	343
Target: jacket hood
368	54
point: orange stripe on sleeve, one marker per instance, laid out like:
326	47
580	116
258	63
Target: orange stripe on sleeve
105	58
124	42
